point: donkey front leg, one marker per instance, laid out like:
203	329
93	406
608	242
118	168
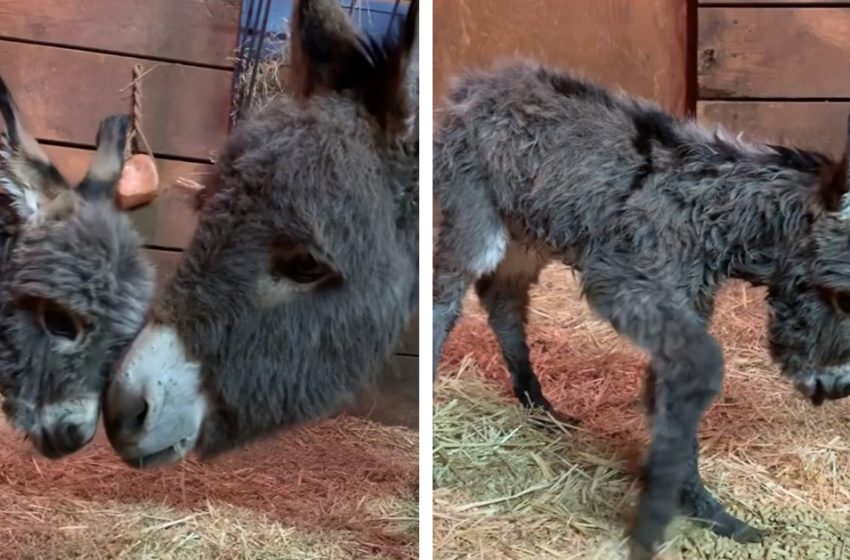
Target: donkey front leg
688	363
696	501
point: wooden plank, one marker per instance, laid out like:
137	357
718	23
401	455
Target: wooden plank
774	53
815	126
65	93
771	2
394	398
640	46
169	221
202	32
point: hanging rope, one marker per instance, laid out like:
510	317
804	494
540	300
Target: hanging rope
136	131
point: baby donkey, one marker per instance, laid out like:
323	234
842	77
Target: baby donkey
656	213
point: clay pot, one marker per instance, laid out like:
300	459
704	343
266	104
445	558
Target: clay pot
139	182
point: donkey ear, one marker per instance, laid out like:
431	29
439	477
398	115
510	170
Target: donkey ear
834	181
327	53
101	180
27	177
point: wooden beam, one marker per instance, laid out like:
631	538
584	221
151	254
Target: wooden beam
774	53
640	46
65	93
814	126
763	3
180	30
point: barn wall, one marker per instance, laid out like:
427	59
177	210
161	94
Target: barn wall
777	72
69	64
640	46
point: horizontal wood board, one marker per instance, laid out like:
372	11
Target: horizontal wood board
775	53
64	93
191	31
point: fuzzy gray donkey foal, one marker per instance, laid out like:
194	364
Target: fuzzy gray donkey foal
303	271
74	284
656	213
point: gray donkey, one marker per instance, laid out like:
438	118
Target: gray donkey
655	213
303	271
74	284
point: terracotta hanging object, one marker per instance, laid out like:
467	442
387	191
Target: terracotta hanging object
139	182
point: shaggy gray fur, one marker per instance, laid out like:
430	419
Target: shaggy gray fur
303	271
656	213
74	285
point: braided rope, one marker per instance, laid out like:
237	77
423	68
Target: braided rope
136	133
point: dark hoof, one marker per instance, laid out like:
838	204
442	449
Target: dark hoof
533	398
729	526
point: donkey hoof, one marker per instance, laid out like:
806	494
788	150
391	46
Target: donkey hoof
737	530
747	535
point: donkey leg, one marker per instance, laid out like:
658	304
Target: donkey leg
688	364
449	289
466	250
695	500
504	294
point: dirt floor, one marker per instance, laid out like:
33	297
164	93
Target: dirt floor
344	489
505	488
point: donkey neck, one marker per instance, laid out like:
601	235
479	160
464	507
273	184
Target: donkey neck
757	208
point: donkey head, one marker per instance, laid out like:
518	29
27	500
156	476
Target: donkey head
303	270
74	287
809	299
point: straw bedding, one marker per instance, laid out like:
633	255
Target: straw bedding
344	489
506	488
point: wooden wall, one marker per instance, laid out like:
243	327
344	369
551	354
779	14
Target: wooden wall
776	70
640	46
69	62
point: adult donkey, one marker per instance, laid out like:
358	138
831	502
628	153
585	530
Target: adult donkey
531	164
74	284
303	270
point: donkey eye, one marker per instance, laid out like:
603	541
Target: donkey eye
842	302
303	268
58	322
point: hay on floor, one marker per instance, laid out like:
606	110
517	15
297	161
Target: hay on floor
505	488
344	489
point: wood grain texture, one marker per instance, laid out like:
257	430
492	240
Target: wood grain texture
169	221
640	46
774	53
771	2
196	31
814	126
64	94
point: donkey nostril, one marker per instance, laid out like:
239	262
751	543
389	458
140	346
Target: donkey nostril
73	436
142	414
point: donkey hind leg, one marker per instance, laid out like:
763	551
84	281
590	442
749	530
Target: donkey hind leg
695	500
449	289
504	294
466	250
688	364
